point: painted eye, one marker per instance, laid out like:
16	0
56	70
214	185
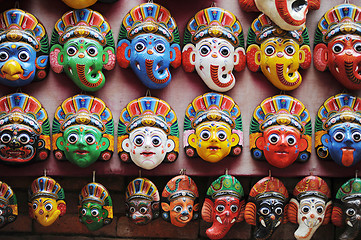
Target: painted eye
94	212
222	135
279	211
273	138
205	135
337	48
290	50
319	209
190	208
224	51
139	46
205	50
177	209
156	141
357	47
160	47
269	50
143	210
356	136
24	138
4	56
132	209
83	211
24	56
5	138
264	211
90	139
339	136
220	208
73	138
138	140
71	51
48	207
350	212
305	209
35	206
234	208
291	140
92	51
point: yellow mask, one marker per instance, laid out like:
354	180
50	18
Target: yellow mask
45	210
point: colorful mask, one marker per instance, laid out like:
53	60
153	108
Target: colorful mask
95	206
8	205
83	131
24	130
148	133
46	200
180	201
310	206
214	45
338	44
78	4
266	207
223	205
338	130
82	45
278	53
213	127
142	201
24	48
288	14
281	131
149	42
347	209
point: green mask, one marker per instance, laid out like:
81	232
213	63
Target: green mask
92	215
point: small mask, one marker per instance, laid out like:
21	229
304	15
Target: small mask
223	206
266	207
95	206
214	45
213	127
310	206
83	131
46	200
278	53
338	130
24	49
347	209
288	14
149	42
82	45
8	205
148	133
338	45
281	131
24	130
142	201
180	201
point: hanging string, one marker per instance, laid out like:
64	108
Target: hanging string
356	173
226	171
17	4
213	4
93	176
311	171
140	173
45	172
269	173
147	93
150	1
183	171
347	1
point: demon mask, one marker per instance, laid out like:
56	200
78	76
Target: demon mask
8	205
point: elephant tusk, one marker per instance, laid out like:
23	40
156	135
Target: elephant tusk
278	223
349	223
263	223
233	220
219	220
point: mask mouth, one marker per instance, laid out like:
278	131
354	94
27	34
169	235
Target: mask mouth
89	221
184	218
298	5
147	154
81	152
213	148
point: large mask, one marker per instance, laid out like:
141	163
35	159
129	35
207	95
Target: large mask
142	201
280	131
149	42
223	206
338	130
213	127
82	45
214	45
347	209
8	205
278	53
24	130
24	48
148	133
46	200
310	206
338	44
95	206
180	201
288	14
266	207
83	131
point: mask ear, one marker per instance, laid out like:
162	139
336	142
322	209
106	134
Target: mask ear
314	5
155	209
234	139
260	142
242	206
104	144
285	219
328	212
60	143
292	211
239	59
248	5
61	207
165	207
207	210
31	211
108	58
253	57
188	57
320	57
305	57
175	55
56	58
192	140
123	53
336	216
303	144
325	139
250	213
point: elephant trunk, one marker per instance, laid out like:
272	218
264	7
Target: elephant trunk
89	79
215	77
353	74
163	75
287	78
351	233
218	230
266	229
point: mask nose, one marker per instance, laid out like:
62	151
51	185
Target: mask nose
149	51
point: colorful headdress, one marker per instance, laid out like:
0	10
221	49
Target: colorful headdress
225	185
7	197
142	188
312	186
214	22
149	18
45	187
178	186
339	20
266	187
349	190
